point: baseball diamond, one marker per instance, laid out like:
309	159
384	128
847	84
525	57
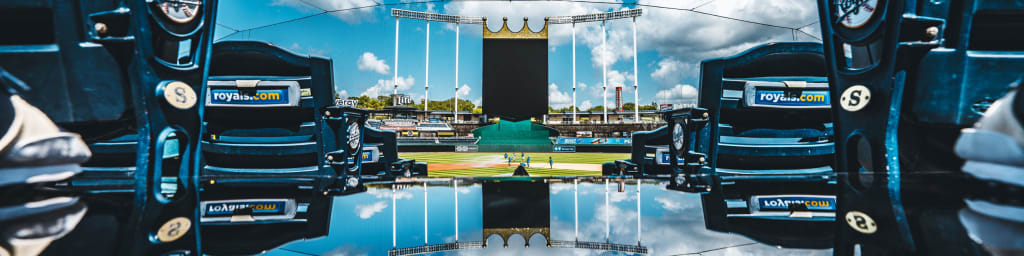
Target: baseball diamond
447	164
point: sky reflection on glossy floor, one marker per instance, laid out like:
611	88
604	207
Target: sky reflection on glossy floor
671	222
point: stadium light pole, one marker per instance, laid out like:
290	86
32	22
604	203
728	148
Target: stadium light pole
595	17
576	208
607	216
636	81
426	73
455	184
395	80
604	73
394	237
639	231
432	17
455	112
574	73
425	213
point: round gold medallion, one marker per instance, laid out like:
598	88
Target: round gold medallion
173	229
861	222
179	95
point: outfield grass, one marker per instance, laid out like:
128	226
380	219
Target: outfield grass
500	171
535	158
539	163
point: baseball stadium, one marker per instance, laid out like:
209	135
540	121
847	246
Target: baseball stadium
708	127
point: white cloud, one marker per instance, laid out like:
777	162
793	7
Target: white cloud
342	94
365	211
558	99
672	71
463	91
618	79
619	47
386	87
369	62
679	95
585	105
615	79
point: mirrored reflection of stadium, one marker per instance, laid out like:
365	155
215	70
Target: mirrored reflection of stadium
515	208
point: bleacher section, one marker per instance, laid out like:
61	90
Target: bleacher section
436	140
433	127
399	122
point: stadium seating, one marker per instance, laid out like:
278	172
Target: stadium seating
399	122
795	218
250	220
436	140
263	124
769	151
126	76
366	154
669	152
930	68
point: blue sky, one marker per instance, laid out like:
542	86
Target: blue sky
671	42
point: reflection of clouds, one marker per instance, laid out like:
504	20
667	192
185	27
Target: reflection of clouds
668	204
673	223
464	190
676	205
386	193
347	250
628	195
365	211
556	188
675	226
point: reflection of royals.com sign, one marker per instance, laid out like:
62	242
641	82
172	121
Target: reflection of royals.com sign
811	203
257	208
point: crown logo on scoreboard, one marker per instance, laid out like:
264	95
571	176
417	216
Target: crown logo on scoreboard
523	33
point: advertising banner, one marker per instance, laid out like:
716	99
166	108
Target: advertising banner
570	141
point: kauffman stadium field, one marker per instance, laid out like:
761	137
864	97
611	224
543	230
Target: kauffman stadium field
449	164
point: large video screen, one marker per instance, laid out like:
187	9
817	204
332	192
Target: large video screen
515	77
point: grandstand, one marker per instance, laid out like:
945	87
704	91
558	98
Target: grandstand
398	124
436	140
434	127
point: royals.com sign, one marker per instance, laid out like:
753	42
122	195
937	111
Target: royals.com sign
253	93
797	99
259	97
